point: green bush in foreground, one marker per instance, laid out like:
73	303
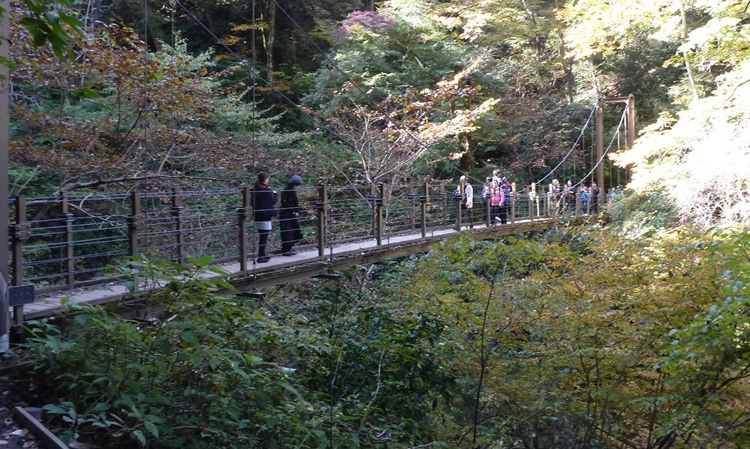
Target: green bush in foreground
562	341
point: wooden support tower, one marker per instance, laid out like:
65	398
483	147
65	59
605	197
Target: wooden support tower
629	102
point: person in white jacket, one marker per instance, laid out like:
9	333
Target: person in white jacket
467	202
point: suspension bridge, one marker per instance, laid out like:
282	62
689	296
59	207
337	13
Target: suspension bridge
67	248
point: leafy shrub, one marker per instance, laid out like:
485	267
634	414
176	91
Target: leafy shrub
644	213
194	377
566	340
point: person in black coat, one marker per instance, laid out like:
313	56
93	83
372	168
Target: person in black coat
262	200
288	216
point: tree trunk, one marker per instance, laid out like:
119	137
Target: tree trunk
569	78
688	66
270	41
463	143
4	133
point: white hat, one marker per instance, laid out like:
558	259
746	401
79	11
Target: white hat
462	178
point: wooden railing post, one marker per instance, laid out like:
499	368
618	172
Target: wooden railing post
462	187
20	233
412	207
134	221
423	206
578	203
177	211
531	209
379	215
242	214
513	198
487	207
444	194
68	253
321	205
553	201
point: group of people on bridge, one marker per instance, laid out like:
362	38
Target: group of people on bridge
496	199
263	202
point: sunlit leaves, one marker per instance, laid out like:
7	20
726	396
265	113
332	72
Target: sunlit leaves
581	331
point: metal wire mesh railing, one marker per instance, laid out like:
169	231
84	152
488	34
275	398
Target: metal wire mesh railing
66	241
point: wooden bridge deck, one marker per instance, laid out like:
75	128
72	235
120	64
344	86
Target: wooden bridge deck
306	263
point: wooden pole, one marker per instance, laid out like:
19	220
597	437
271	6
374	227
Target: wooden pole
379	215
21	233
462	186
242	214
412	205
134	221
552	202
513	197
631	129
68	255
487	207
321	206
631	121
177	212
423	200
600	145
4	120
445	202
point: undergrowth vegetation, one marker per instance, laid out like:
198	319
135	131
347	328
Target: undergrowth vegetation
564	340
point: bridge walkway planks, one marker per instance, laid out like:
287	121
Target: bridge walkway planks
304	264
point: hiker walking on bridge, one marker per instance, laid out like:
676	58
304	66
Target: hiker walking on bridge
262	200
467	202
288	216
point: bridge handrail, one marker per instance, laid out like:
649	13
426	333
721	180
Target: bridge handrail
63	242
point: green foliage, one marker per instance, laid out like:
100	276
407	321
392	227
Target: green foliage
197	376
579	337
643	214
48	26
31	181
564	340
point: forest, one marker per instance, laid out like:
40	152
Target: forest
630	330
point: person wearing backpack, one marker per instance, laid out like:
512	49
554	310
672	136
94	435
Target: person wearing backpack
466	202
262	200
